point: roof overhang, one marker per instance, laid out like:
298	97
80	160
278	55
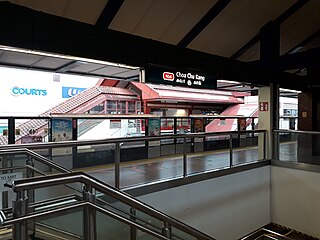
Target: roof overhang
43	32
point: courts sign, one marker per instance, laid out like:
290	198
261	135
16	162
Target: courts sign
179	77
18	91
68	92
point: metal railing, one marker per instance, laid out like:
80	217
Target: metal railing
58	202
23	204
31	156
117	142
22	213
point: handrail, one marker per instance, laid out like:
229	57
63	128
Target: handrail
121	140
38	157
295	131
65	178
45	161
79	205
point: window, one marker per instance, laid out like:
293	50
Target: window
97	109
131	107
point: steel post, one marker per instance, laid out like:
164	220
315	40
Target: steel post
20	208
89	215
185	169
117	165
231	149
133	230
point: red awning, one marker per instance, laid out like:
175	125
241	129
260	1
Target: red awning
180	94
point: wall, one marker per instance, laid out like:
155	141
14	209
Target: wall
49	94
306	110
227	207
295	198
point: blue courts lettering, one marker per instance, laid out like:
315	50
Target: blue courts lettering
18	91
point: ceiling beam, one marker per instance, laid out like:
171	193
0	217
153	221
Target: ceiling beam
284	16
25	28
203	23
302	44
108	13
299	60
246	47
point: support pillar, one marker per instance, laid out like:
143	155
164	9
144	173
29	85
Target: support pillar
268	118
269	96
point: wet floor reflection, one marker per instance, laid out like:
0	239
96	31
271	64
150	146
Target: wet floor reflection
145	171
139	172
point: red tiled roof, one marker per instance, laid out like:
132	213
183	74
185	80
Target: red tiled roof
246	110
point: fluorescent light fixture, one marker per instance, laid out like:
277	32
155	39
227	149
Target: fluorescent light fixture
289	90
84	60
227	81
297	49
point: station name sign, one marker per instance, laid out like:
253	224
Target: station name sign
179	77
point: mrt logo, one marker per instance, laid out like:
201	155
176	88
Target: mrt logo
168	76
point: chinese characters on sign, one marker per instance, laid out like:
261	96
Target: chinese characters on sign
263	106
180	77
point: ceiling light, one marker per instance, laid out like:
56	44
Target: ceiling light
80	59
289	90
227	81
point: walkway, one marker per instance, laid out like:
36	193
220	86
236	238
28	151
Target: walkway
144	171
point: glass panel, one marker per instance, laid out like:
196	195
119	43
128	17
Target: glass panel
289	122
138	105
113	204
111	104
149	222
246	148
16	164
91	129
63	226
167	125
218	155
296	147
123	210
111	229
183	125
3	131
58	191
31	130
121	105
93	155
131	107
97	109
153	166
145	236
134	128
178	235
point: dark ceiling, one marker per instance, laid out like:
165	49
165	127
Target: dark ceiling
255	41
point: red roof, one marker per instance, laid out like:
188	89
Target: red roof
246	110
151	92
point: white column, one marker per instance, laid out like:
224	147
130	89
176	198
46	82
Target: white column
268	101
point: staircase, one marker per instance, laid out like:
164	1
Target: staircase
56	203
277	232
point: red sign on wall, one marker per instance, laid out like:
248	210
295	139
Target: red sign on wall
263	106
